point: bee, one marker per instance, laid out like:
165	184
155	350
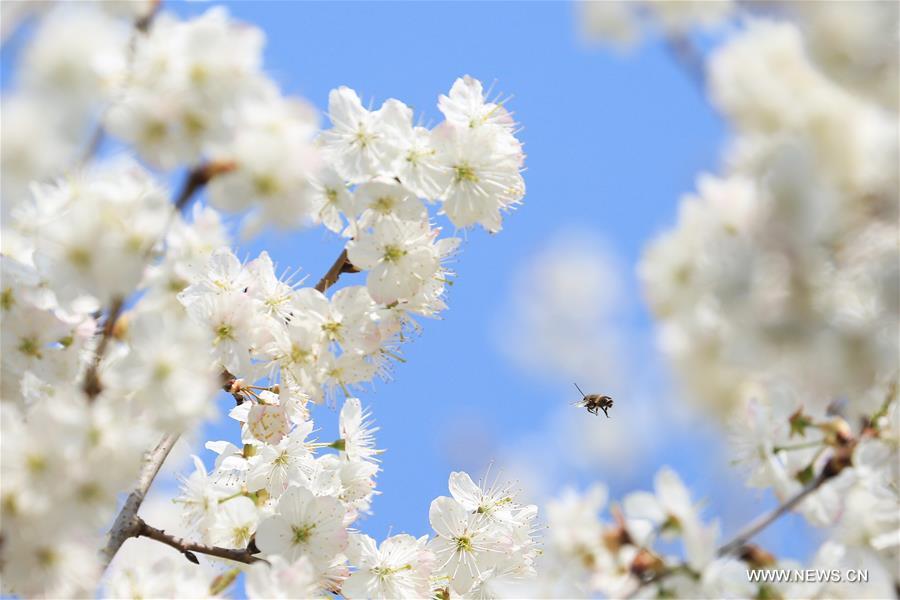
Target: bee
594	402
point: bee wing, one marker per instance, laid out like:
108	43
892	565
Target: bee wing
581	402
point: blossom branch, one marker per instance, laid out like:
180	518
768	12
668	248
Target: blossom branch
92	386
127	523
836	464
763	521
341	265
188	548
197	178
840	459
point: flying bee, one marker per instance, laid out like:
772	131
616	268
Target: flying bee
594	402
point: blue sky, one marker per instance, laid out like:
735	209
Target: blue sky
612	141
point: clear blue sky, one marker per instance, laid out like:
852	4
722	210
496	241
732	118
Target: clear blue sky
612	141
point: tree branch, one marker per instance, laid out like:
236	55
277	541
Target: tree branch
341	265
197	178
834	466
94	143
763	521
127	523
188	548
91	385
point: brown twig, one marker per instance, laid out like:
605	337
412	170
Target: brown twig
197	178
189	548
92	386
341	265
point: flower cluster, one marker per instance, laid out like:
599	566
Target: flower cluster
585	554
471	162
294	507
84	397
184	85
786	265
776	292
484	547
276	492
484	543
621	22
783	445
66	75
124	308
630	555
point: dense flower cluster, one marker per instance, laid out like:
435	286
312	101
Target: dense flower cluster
124	309
786	266
777	298
621	23
630	555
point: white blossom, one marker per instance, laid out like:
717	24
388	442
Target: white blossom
282	580
480	174
304	525
400	257
361	143
397	568
277	466
93	232
185	84
234	523
166	578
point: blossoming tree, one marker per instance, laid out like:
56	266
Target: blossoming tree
777	301
125	311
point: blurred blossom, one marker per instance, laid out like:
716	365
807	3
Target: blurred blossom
622	22
565	311
612	22
786	266
74	56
